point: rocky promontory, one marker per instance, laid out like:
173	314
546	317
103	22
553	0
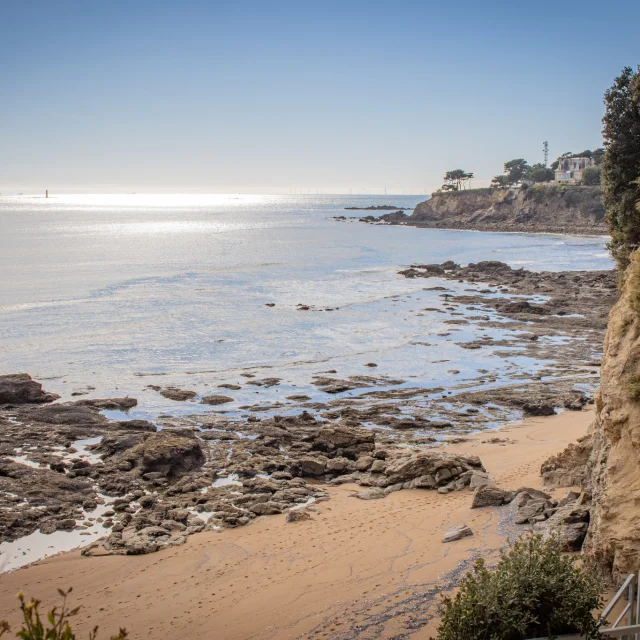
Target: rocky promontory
536	209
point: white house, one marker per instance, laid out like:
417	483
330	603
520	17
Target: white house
570	170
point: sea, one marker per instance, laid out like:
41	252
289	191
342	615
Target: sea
106	294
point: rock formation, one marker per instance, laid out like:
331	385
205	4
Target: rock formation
541	208
613	471
20	388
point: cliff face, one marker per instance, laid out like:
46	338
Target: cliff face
540	208
613	470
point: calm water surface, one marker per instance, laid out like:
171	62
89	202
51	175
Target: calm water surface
118	292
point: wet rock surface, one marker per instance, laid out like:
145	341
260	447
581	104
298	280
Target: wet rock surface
223	465
20	388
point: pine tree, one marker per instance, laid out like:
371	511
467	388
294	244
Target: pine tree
621	164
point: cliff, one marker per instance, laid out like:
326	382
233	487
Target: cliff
540	208
613	469
607	461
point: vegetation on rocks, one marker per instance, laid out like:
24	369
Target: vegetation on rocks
456	180
591	176
621	164
535	591
56	625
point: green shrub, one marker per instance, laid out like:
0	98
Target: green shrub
621	164
535	591
34	629
591	176
633	388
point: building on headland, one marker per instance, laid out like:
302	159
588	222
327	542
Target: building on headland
570	170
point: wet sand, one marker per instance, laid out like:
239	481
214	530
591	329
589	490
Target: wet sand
358	569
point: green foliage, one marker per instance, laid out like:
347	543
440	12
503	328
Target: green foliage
501	182
621	164
591	176
518	170
58	619
515	170
535	591
538	173
456	180
597	156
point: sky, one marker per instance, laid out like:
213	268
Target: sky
283	97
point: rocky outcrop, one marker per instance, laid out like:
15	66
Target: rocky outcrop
166	454
541	208
568	468
20	388
490	496
613	471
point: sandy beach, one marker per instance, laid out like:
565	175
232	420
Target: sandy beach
360	569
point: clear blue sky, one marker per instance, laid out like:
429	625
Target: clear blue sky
268	96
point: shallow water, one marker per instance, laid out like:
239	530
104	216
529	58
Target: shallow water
118	292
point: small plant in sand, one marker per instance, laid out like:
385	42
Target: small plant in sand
535	591
56	626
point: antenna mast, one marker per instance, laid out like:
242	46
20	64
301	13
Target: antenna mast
545	151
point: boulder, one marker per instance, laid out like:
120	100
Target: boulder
20	388
568	468
433	467
173	393
110	404
531	509
136	425
364	463
167	454
298	515
338	465
68	413
266	508
479	479
378	466
456	533
541	409
342	441
310	467
570	523
490	496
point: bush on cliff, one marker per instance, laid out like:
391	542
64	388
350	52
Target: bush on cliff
58	622
535	591
621	164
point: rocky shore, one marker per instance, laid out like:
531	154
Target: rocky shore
341	568
538	209
145	486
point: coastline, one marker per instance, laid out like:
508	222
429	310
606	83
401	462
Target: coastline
356	567
601	231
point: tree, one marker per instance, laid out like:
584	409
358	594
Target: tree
514	172
538	173
515	169
556	163
621	164
535	591
456	180
501	182
591	176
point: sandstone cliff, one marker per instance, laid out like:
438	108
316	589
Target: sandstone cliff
540	208
613	469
